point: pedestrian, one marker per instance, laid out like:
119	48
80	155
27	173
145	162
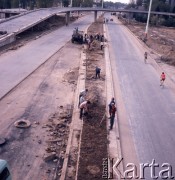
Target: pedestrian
89	43
82	96
82	99
85	38
91	38
101	38
84	108
113	111
97	70
104	20
98	36
162	78
77	30
110	106
145	56
101	45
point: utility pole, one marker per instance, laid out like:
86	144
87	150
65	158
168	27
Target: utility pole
102	3
147	24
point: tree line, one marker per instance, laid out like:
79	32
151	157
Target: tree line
158	6
31	4
27	4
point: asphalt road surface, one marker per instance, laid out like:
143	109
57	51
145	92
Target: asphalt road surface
148	122
16	65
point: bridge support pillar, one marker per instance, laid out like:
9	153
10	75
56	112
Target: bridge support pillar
95	16
67	18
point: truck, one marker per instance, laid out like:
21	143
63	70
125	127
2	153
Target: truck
77	36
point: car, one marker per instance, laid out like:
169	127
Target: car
4	170
111	19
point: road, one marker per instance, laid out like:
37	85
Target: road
146	111
16	65
37	99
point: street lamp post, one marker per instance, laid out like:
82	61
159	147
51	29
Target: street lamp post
147	24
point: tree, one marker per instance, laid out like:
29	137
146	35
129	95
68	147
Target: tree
65	3
87	3
139	2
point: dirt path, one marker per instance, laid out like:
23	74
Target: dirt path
45	99
94	135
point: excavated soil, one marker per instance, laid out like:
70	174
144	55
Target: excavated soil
94	134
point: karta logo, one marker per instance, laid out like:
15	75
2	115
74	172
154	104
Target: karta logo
112	170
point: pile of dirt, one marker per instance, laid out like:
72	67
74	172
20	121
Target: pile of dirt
160	39
57	129
71	76
94	134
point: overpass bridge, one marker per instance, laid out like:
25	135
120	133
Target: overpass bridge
7	13
29	19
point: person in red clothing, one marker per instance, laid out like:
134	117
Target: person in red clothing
113	111
162	78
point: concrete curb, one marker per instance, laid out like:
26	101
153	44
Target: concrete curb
76	124
114	147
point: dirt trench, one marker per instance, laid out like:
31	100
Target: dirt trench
94	134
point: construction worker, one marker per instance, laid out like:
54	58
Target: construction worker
84	108
110	106
82	96
101	45
97	70
113	111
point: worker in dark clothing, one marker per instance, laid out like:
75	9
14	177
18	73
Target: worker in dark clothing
113	111
97	70
110	106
